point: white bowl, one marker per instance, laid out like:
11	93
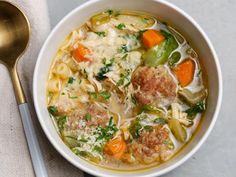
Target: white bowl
163	10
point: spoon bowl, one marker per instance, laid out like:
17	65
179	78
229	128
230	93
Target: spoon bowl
14	33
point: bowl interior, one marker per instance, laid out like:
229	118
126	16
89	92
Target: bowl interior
162	10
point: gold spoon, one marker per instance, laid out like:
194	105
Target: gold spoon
14	38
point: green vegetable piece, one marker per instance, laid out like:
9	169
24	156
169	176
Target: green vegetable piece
133	99
100	75
125	56
98	149
121	26
109	12
124	49
148	128
174	58
61	123
71	80
151	109
101	34
73	97
160	121
52	110
87	117
192	98
80	153
105	94
178	130
159	54
71	141
135	128
107	132
83	140
198	108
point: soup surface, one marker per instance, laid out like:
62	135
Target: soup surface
126	91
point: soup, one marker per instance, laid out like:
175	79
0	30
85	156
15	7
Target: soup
126	91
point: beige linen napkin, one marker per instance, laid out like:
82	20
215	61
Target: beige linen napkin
14	155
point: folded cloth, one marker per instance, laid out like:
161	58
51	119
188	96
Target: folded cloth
14	155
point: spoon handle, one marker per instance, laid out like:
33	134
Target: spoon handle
35	152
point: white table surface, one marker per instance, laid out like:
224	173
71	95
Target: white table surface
217	157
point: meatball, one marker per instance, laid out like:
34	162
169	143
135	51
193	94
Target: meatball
99	116
154	85
152	146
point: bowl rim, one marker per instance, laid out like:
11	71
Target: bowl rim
166	169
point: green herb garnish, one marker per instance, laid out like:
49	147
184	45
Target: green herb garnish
124	57
73	97
135	128
124	49
52	110
133	100
148	128
87	117
105	94
198	108
123	78
121	26
109	12
98	149
71	80
107	132
101	34
100	75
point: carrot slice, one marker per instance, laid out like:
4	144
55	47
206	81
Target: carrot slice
151	38
115	147
185	71
81	53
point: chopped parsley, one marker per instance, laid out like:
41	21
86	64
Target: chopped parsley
133	100
105	94
123	49
124	77
124	56
87	117
107	132
135	128
101	33
71	80
121	26
73	97
148	128
97	148
100	75
52	110
109	12
198	108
